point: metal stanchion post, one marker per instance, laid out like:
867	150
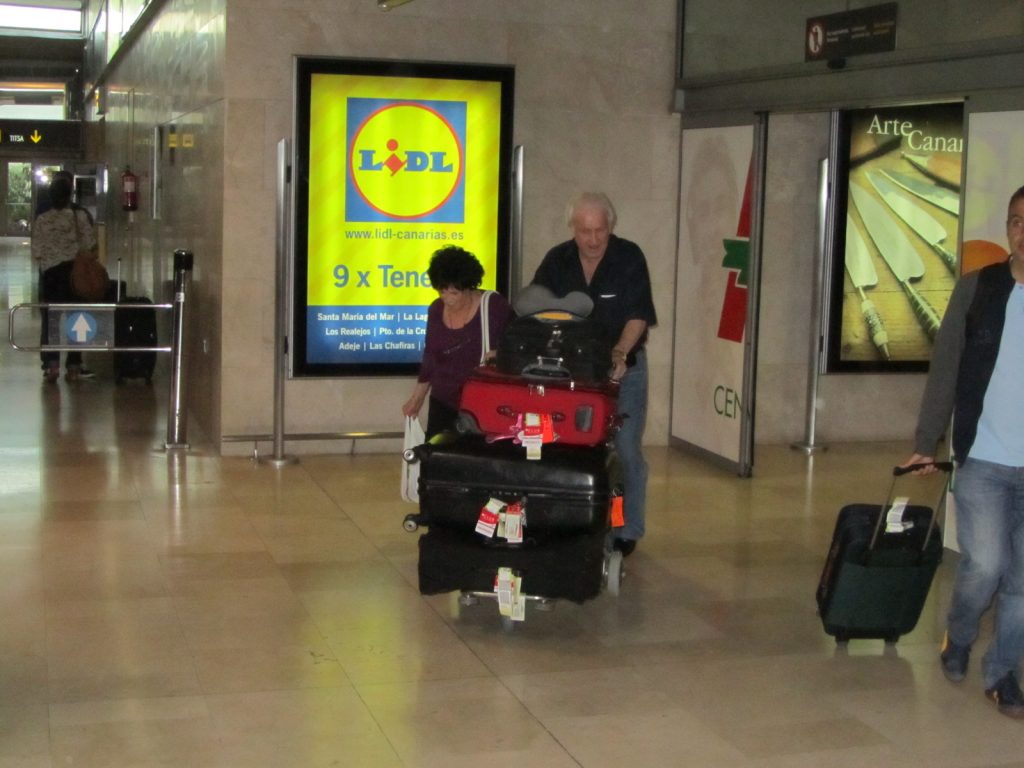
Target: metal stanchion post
177	418
281	303
809	445
516	249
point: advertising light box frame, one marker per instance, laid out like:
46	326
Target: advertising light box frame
898	185
393	160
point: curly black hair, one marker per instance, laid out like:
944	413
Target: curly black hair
454	267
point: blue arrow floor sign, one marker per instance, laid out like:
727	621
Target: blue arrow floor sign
80	328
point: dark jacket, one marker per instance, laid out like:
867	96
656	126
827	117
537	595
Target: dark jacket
963	358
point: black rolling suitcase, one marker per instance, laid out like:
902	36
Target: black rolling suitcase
551	566
134	327
555	344
570	489
115	290
875	582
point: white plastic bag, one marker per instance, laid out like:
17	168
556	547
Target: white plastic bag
411	471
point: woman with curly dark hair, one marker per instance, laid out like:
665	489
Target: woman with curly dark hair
454	341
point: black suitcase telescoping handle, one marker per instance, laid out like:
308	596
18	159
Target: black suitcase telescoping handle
943	466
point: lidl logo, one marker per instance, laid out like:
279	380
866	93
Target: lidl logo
406	161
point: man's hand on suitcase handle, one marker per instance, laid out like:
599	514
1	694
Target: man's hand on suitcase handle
921	465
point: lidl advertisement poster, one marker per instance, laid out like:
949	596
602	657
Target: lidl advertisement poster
398	167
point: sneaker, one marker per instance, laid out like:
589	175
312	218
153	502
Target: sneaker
954	660
625	546
1007	695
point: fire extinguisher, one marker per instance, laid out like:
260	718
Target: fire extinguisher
129	190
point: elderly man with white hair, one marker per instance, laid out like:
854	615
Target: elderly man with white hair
613	272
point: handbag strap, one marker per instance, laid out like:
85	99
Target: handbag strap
485	326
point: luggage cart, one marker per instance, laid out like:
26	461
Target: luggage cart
564	554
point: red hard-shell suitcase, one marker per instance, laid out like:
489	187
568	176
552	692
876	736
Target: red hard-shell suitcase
570	490
493	404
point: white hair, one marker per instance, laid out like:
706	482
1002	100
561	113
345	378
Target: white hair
597	200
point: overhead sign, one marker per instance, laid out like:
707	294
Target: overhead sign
40	137
851	33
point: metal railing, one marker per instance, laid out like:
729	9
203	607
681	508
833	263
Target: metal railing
176	421
104	345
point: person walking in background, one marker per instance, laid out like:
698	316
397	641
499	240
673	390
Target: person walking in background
454	340
613	272
57	237
975	376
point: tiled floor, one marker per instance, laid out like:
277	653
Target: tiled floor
192	610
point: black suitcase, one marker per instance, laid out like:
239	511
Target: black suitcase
570	489
555	567
874	583
134	327
115	290
555	344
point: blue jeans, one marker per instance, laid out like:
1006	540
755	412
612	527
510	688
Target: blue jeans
629	446
990	531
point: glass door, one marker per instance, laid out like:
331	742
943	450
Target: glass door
23	184
17	190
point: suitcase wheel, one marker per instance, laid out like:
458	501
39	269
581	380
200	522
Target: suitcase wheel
613	572
891	639
466	424
545	604
411	523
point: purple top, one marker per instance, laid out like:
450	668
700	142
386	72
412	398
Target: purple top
450	355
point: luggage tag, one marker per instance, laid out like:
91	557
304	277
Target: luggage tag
514	521
505	587
519	603
894	522
618	517
538	428
489	517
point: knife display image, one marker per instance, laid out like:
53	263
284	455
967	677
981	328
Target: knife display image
924	224
938	196
862	274
898	253
942	167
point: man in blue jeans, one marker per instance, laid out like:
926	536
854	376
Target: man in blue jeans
976	372
613	272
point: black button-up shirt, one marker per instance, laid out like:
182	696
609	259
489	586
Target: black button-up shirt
620	286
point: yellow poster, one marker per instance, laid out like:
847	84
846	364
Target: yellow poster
398	167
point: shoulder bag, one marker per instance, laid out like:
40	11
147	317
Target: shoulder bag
89	278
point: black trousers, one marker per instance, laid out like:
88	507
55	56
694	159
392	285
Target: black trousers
439	418
55	288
